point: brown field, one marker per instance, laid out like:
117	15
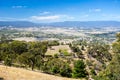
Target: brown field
12	73
55	49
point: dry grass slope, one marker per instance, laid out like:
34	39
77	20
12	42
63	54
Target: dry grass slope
12	73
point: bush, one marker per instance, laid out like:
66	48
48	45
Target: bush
57	66
66	71
56	55
79	69
8	61
93	72
55	69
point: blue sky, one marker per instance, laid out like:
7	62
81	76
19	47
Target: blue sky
59	10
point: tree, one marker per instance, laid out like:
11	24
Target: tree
82	47
8	61
57	66
53	66
79	54
34	56
4	47
79	69
118	37
18	47
3	38
75	49
66	71
56	55
53	43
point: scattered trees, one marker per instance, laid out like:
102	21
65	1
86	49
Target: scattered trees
53	43
32	55
100	52
57	66
112	72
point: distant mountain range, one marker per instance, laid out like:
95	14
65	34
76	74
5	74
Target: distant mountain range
62	24
17	23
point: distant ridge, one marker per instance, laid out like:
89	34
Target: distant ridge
17	23
62	24
87	24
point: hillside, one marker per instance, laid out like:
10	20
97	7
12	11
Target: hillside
12	73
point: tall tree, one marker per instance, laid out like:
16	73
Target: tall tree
34	56
79	69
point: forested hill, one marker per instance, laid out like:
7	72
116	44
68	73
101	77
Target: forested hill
62	24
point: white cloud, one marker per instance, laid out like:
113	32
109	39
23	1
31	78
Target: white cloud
19	6
51	18
95	10
45	17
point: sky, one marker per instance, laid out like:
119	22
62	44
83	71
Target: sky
59	10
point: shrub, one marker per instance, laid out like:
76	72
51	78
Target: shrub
79	69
